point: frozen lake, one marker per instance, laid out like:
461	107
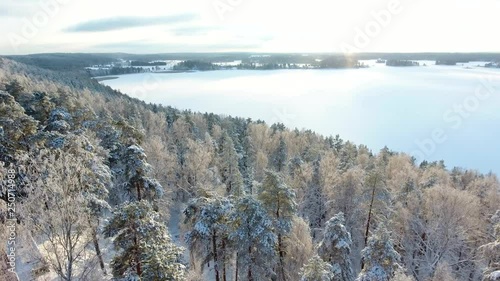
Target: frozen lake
432	112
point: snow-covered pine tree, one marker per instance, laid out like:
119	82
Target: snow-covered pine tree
317	269
16	127
209	219
229	167
247	165
335	248
280	155
279	201
254	240
139	184
146	251
380	258
314	201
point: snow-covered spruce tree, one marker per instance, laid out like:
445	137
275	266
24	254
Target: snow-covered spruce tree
254	240
316	269
378	197
247	163
146	251
335	248
314	206
138	183
280	155
15	127
229	167
279	201
131	171
380	258
209	222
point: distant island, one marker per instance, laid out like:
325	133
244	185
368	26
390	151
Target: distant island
401	63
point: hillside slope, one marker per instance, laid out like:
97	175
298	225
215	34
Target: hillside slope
94	166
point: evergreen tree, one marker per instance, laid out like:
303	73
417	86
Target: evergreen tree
248	164
14	88
279	201
335	248
146	250
314	201
229	168
209	219
137	182
280	155
254	240
379	256
15	127
317	269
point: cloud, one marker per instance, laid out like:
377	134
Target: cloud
157	47
193	30
118	23
15	9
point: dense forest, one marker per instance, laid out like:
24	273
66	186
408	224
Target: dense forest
402	63
107	187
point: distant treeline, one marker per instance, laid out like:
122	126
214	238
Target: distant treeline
143	63
195	65
114	71
268	66
63	61
281	63
206	61
339	62
446	62
492	65
401	63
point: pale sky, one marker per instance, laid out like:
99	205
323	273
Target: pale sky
166	26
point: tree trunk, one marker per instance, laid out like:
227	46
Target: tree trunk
96	246
236	268
280	247
98	251
137	258
224	260
138	187
249	274
214	250
367	230
282	257
138	268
